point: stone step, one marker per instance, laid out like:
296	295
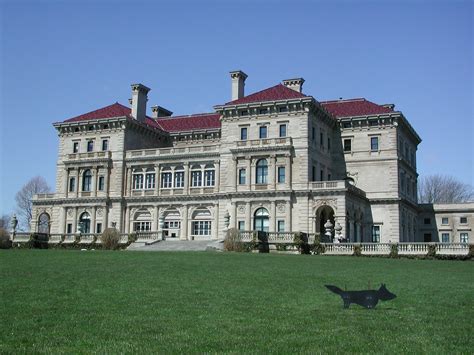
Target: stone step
179	245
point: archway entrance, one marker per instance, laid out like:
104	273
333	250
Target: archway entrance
43	223
323	214
172	224
261	220
85	221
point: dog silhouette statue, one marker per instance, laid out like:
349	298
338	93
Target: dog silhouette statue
365	298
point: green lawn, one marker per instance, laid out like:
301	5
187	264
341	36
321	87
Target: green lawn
110	302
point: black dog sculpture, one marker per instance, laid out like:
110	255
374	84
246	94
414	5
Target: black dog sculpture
366	298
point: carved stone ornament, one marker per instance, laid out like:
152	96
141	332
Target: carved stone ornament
281	207
241	209
100	212
70	212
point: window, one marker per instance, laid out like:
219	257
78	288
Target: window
142	226
98	228
283	130
464	238
105	144
262	171
281	174
281	226
313	174
166	180
85	223
262	132
242	176
241	225
150	179
90	146
463	220
196	178
243	133
347	145
321	140
69	228
427	221
375	234
86	180
313	133
263	111
179	179
283	109
75	147
374	144
329	143
209	177
427	237
444	220
346	125
201	228
261	220
101	183
373	123
244	113
445	237
321	175
329	177
72	184
137	181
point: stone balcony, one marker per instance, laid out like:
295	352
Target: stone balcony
44	196
283	143
89	156
172	151
334	185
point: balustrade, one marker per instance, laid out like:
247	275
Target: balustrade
413	248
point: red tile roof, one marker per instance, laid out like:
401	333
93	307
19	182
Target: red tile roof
274	93
199	121
114	110
353	107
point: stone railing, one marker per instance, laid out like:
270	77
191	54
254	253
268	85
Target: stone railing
265	142
338	249
148	237
334	185
452	249
375	248
43	196
21	237
413	248
89	155
171	151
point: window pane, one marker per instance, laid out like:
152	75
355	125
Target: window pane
209	177
72	184
101	183
347	145
196	178
179	179
283	130
105	144
281	174
75	147
138	181
166	180
263	132
262	172
90	146
243	133
150	181
242	176
374	143
281	226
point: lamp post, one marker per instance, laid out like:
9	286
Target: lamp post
14	224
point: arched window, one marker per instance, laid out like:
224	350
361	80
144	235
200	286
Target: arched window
172	223
85	223
261	220
201	224
209	175
87	180
43	223
262	171
179	177
142	221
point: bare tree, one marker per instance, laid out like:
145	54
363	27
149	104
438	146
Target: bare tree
36	185
5	222
443	189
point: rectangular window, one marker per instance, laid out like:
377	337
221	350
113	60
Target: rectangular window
321	140
281	226
75	147
283	109
201	228
263	111
105	144
209	177
242	176
196	178
142	226
283	130
241	225
313	133
262	132
243	133
166	180
444	220
150	181
329	143
329	177
347	145
90	146
281	174
179	179
445	237
346	125
244	113
321	175
427	221
375	234
69	228
373	123
72	184
463	220
137	182
98	228
313	174
464	238
427	237
374	144
101	183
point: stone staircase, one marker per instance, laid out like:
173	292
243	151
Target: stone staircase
179	245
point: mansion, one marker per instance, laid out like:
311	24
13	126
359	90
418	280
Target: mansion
277	160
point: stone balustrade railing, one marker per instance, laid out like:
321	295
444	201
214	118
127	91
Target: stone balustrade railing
264	142
338	249
452	249
171	151
89	155
147	237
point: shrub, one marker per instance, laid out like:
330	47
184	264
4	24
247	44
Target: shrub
301	241
431	250
357	250
394	251
110	239
318	249
5	242
232	241
132	237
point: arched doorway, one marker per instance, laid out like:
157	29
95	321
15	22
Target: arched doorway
323	214
43	223
85	221
201	225
142	221
261	220
172	223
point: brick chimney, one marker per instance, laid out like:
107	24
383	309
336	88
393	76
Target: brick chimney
294	84
139	99
238	84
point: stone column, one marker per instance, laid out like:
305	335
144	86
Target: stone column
127	220
154	222
248	212
272	221
157	180
183	235
128	188
289	211
288	169
272	174
79	181
62	220
215	224
217	164
233	172
95	181
66	181
93	230
248	173
186	178
106	218
74	224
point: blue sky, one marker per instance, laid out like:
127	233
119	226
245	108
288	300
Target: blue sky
63	58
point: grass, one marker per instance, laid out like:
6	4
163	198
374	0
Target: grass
111	302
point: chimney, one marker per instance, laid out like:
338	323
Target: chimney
238	84
158	111
294	84
139	99
389	106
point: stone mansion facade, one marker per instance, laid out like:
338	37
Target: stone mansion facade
276	160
